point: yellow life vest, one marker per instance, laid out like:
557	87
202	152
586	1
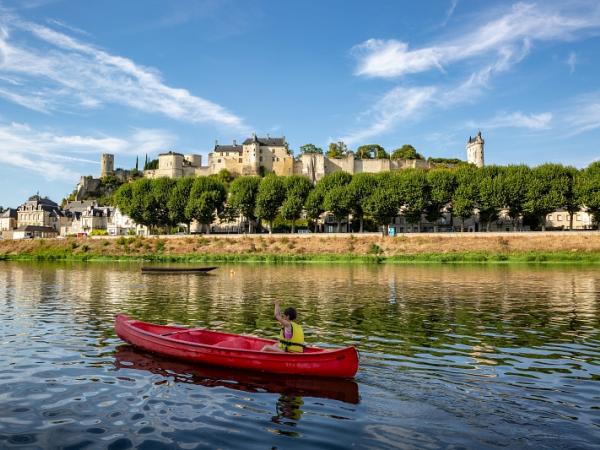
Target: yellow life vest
295	343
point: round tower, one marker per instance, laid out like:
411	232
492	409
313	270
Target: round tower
475	150
107	165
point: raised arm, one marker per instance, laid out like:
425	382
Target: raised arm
280	318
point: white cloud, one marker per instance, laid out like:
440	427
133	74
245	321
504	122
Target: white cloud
48	153
517	119
571	62
523	23
398	104
65	73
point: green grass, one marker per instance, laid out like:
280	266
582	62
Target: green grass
50	254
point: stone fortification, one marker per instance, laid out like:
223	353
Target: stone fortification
259	155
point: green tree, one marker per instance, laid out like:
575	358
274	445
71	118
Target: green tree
513	181
337	150
442	183
371	151
464	198
297	188
359	189
161	191
407	151
314	206
178	201
383	203
547	190
587	190
310	148
572	201
489	195
242	196
151	165
207	199
337	201
414	190
122	198
135	200
225	177
270	196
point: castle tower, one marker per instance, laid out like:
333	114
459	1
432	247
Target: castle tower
107	165
475	150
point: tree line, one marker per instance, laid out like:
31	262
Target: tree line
527	195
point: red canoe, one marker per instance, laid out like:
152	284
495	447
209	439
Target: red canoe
235	351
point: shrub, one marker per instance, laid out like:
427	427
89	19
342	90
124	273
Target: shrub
374	249
99	233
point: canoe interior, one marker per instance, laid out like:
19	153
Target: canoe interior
211	338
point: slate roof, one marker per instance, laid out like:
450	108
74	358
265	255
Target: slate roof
79	205
37	228
10	213
228	148
268	141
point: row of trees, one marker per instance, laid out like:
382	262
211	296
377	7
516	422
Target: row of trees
368	151
525	194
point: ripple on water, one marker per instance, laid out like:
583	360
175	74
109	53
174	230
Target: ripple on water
451	357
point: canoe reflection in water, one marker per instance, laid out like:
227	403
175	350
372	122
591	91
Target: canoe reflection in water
127	357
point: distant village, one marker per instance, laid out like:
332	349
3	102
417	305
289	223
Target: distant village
86	212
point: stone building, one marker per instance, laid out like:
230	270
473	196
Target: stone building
258	155
177	165
41	212
8	219
561	219
475	150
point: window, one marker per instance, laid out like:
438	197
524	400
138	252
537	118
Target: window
240	160
260	158
559	217
578	217
218	160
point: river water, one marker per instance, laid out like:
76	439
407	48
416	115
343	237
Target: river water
503	356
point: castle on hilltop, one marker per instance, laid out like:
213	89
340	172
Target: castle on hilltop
260	155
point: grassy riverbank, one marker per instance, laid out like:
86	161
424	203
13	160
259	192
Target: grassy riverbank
517	247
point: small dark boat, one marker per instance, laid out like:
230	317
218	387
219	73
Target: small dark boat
174	269
235	351
128	357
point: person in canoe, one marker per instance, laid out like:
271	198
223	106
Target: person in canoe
291	336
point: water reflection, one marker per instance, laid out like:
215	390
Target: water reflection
452	356
127	357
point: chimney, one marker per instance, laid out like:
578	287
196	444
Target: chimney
234	143
216	143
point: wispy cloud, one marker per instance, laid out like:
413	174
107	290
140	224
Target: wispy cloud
583	114
571	62
496	45
523	23
398	104
450	12
517	119
72	75
49	153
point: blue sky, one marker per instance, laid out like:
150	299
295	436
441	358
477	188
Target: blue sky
142	77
